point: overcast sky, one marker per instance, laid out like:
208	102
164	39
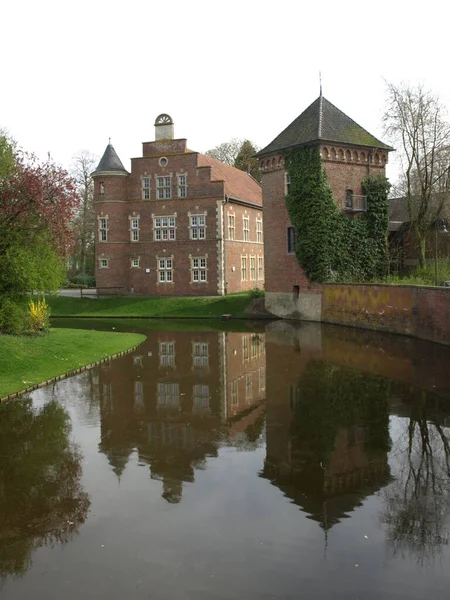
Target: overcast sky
74	74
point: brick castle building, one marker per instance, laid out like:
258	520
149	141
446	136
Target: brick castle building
349	154
180	223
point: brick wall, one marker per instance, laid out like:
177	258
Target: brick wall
412	310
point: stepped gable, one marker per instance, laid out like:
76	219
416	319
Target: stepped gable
322	122
239	185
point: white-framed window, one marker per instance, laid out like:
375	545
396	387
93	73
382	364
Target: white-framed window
102	229
200	395
262	378
138	394
260	267
243	268
168	395
167	354
164	228
252	268
135	262
245	347
182	186
200	354
231	227
145	187
165	270
164	187
103	263
259	231
287	183
246	228
134	229
199	268
197	224
234	392
137	361
101	188
248	386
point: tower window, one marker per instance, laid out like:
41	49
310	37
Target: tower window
349	199
291	240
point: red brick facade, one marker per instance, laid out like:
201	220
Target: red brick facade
179	224
345	169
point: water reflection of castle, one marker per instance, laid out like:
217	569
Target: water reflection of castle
178	398
327	430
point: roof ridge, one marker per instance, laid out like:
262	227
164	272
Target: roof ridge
319	128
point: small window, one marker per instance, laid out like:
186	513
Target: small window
164	187
101	188
165	270
291	240
103	263
231	227
135	262
349	199
199	269
287	184
146	188
246	228
182	186
197	224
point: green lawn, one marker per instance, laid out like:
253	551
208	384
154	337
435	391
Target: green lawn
27	361
201	307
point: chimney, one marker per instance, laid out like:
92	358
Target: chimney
163	128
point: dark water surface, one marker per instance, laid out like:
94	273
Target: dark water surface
281	462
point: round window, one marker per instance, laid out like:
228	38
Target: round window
163	161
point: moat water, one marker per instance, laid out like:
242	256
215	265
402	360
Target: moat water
279	461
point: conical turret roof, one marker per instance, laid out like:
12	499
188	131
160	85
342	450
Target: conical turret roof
110	162
322	122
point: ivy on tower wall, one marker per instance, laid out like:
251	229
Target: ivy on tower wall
331	246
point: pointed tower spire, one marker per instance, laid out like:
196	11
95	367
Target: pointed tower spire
110	162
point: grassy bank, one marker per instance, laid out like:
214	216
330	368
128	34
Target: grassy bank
201	307
26	361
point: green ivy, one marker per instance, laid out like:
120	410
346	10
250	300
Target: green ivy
331	246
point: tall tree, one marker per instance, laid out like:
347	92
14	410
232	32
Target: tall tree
37	203
415	122
226	152
84	222
246	161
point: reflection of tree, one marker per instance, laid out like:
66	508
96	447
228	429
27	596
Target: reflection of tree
417	506
41	500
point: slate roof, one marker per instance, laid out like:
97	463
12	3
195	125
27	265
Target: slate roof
323	122
110	161
238	184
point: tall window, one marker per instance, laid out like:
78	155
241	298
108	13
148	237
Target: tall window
198	269
248	386
259	231
246	228
138	394
349	199
134	229
234	392
145	188
165	270
287	183
260	267
243	268
198	227
164	187
200	395
168	395
252	268
101	187
291	240
245	347
231	227
200	354
103	229
166	354
182	186
164	228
